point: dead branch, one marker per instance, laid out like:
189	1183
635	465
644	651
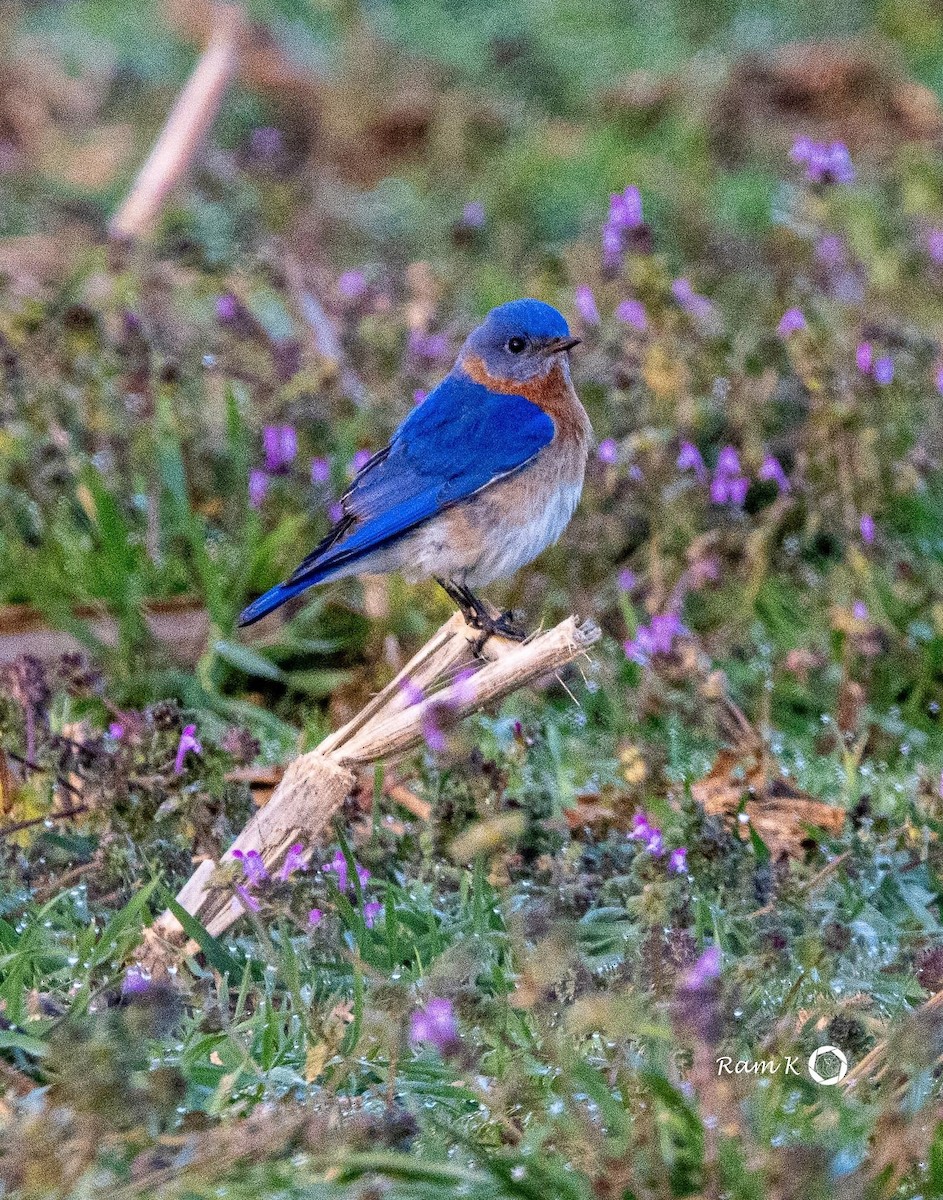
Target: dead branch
315	785
186	127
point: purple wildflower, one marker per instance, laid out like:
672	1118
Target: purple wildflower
632	312
657	637
649	835
435	1025
859	610
607	451
294	861
320	470
771	471
352	285
370	913
867	527
678	861
412	692
419	395
432	732
935	246
729	485
624	218
792	321
280	443
266	141
883	370
188	742
253	868
705	969
626	580
258	487
335	512
938	379
463	689
315	917
823	163
692	302
690	459
586	305
431	346
116	730
227	308
473	215
359	461
249	902
830	251
136	981
864	357
338	864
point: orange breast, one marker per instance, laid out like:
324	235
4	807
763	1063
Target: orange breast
552	392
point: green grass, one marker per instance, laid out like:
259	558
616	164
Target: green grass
278	1060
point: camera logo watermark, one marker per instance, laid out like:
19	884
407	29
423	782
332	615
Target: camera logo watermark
826	1066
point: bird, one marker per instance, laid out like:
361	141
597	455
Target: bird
483	474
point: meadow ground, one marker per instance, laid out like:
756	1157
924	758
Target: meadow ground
584	944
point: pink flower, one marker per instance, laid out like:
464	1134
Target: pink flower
315	917
435	1025
338	864
294	861
729	485
655	638
352	285
586	305
632	312
360	460
136	981
772	471
706	968
792	321
690	459
694	305
253	868
864	357
227	308
188	742
258	487
607	451
280	443
883	370
320	470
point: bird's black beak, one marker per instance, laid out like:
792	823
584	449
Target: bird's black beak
555	345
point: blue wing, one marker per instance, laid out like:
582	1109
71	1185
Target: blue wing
460	439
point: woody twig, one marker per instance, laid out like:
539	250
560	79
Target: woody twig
315	785
185	128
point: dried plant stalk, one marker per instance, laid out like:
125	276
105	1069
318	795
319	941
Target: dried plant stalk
315	785
186	127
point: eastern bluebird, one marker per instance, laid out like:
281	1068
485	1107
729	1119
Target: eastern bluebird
479	478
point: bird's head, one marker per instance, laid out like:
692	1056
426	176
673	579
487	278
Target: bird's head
520	340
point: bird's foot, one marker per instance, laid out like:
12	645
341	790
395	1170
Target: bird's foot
480	615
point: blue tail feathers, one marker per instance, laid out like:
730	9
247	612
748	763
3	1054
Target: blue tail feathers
272	599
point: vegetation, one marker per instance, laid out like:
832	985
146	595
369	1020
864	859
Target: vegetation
718	841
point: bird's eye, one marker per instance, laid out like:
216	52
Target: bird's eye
516	345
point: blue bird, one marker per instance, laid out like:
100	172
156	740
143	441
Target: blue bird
480	477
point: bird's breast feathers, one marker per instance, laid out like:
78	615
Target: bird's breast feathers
552	393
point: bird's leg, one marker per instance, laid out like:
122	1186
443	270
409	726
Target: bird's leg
480	615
